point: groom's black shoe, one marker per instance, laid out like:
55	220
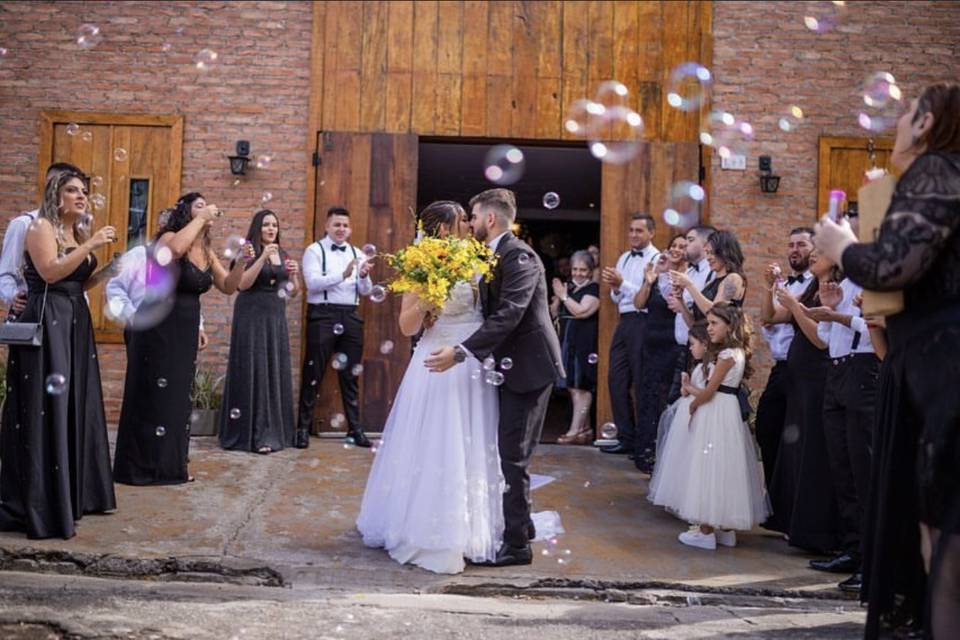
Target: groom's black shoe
359	438
301	440
616	448
507	556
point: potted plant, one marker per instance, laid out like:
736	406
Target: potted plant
206	396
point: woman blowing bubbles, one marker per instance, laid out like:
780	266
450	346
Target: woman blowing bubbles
153	434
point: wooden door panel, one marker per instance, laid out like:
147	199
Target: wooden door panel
843	161
642	185
153	146
375	177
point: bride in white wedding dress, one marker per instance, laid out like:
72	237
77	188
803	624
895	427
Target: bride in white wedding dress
434	493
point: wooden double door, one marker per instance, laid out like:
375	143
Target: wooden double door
374	175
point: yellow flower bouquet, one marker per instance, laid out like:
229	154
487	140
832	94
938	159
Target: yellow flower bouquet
431	267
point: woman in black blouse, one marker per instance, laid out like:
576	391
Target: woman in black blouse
576	304
917	452
257	409
725	258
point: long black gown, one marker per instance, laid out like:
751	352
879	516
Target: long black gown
257	408
660	353
153	434
916	474
54	454
801	491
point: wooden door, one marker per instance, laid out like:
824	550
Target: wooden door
134	165
373	175
844	160
642	185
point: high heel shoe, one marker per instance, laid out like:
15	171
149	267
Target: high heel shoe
581	437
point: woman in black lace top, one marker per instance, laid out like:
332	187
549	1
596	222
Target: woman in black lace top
917	457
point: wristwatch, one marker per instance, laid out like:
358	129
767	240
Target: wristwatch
459	355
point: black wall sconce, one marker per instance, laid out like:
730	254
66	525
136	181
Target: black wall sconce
769	183
238	163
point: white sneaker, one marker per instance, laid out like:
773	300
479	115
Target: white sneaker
696	538
727	538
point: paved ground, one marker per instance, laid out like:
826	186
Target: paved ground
277	533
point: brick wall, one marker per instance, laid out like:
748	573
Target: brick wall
765	59
257	91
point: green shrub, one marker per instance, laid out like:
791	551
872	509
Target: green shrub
206	392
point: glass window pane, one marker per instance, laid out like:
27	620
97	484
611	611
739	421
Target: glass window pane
137	215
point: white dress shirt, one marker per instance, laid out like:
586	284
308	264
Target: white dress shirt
11	259
701	274
779	336
632	267
493	244
328	286
839	337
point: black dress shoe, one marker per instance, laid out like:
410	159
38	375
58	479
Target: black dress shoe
359	438
844	563
644	465
507	556
301	439
531	532
852	584
617	448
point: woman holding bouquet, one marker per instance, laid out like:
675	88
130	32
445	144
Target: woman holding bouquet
433	497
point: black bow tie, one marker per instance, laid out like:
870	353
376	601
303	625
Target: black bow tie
634	253
695	267
792	279
338	247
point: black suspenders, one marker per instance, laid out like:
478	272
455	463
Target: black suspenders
323	266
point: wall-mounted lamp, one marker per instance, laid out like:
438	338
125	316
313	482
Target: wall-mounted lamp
238	163
769	183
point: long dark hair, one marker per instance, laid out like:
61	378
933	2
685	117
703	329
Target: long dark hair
943	101
739	337
727	249
437	213
255	234
182	215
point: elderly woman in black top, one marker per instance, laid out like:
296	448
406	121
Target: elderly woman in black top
917	451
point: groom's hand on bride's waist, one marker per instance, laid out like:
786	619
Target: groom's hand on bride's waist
440	360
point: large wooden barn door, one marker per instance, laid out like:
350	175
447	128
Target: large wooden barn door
642	185
373	175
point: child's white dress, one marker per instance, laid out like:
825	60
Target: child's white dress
709	471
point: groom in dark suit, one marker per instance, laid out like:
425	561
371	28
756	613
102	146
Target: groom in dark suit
516	325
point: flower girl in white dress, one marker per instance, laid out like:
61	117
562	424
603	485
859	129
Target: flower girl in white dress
709	473
434	493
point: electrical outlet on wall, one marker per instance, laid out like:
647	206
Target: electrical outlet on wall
734	162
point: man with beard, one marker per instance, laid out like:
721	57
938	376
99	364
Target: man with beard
772	407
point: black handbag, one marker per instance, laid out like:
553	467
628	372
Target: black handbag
24	334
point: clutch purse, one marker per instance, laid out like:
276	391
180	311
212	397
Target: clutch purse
24	334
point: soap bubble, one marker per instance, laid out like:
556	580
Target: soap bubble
791	434
689	86
265	198
882	99
233	248
616	134
161	431
86	136
264	160
120	154
357	370
504	164
608	431
821	17
339	361
369	250
204	59
162	383
475	374
551	200
98	201
3	52
523	258
791	118
489	363
73	129
506	364
56	384
593	358
89	36
580	115
378	293
386	347
612	93
726	134
159	273
96	182
494	377
338	329
166	46
337	420
683	210
234	413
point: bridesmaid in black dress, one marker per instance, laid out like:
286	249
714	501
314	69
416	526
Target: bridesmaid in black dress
153	435
803	506
257	409
917	444
54	454
725	258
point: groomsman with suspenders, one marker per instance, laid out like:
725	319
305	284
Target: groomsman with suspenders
336	274
625	371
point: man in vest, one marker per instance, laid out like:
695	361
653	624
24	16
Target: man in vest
336	274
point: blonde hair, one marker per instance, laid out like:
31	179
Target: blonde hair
50	208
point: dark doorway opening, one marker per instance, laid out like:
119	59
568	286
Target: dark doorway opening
453	169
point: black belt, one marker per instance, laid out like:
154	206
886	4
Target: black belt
850	356
335	307
743	397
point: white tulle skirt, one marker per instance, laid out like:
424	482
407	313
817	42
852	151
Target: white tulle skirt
709	471
434	494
